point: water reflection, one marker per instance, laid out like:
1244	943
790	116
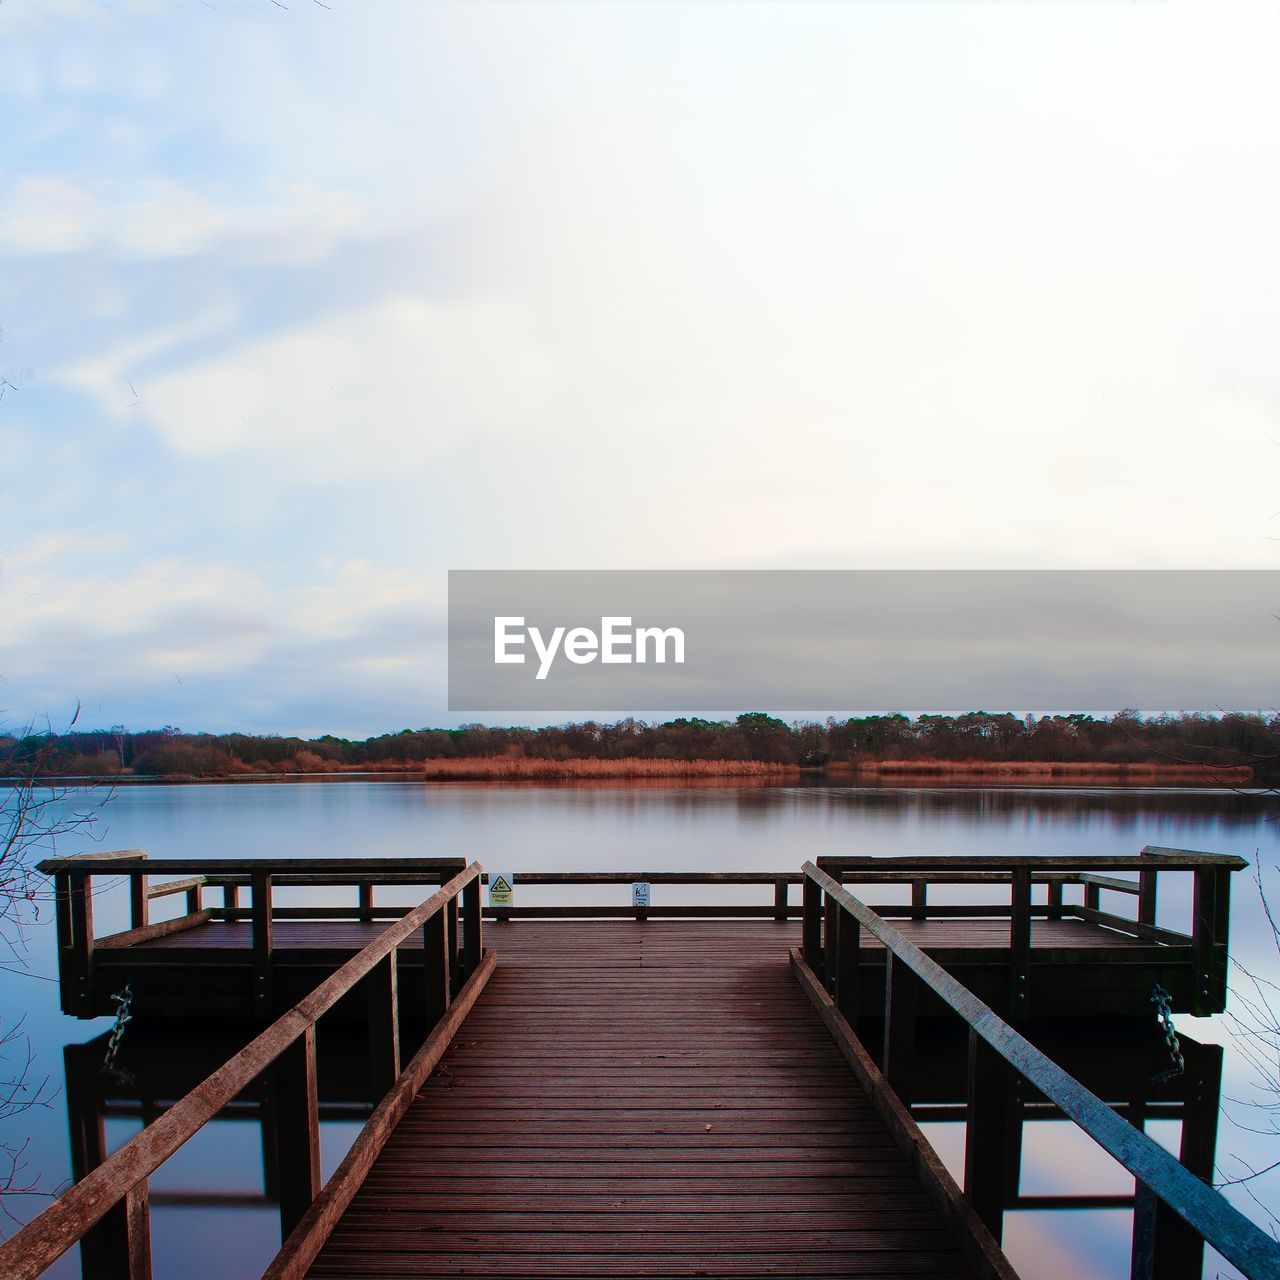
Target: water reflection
612	826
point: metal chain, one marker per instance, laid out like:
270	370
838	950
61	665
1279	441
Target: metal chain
1164	1014
123	1000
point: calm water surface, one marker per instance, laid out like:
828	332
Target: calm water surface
657	828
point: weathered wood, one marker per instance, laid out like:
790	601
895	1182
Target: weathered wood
780	892
1115	884
611	1152
1135	928
669	911
848	958
304	1243
384	1024
919	899
139	893
65	941
1020	943
41	1242
830	925
901	995
989	1115
472	928
436	967
297	1125
126	863
263	947
1151	860
81	941
148	933
1147	882
451	946
812	926
980	1249
1216	1221
365	909
137	1217
166	888
1054	901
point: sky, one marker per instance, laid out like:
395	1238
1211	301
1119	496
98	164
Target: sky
304	306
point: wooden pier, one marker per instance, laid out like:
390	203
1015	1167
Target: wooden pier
674	1090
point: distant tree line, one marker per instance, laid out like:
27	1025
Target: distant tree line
1124	738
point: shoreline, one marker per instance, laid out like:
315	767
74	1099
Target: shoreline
882	773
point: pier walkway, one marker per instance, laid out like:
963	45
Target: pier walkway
631	1099
646	1091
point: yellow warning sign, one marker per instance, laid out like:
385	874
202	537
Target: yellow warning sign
502	891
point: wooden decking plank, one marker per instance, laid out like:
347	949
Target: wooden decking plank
641	1100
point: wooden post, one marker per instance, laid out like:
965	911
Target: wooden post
195	899
1092	897
1146	1211
435	959
992	1133
901	988
1163	1243
848	955
1055	899
119	1246
66	941
1020	943
780	892
472	926
812	926
139	905
297	1129
1146	897
263	995
451	945
384	1025
1211	899
830	929
137	1229
82	941
919	899
230	898
366	902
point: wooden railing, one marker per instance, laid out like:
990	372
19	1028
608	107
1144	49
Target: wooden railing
1210	911
779	909
108	1209
1175	1211
74	892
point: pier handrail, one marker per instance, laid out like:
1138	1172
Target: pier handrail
74	900
119	1184
835	957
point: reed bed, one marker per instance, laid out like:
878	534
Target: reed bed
1059	770
533	769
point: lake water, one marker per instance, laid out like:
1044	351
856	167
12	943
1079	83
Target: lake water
656	828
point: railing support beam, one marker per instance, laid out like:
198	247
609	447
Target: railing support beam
901	989
435	949
297	1115
384	1025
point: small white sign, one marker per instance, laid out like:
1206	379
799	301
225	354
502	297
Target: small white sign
639	893
502	889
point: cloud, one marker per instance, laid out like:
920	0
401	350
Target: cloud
374	389
165	218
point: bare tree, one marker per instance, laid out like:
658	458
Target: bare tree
34	813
